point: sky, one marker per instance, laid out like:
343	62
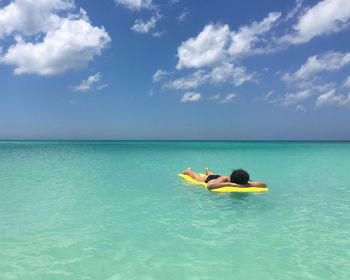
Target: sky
175	70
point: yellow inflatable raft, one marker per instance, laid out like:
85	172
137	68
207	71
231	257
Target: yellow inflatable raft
223	189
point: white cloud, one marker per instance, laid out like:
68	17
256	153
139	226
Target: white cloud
90	83
136	4
158	33
215	97
245	39
296	9
32	16
328	98
99	87
173	2
151	92
347	82
292	98
227	71
300	108
330	61
218	48
305	92
326	17
268	95
331	98
191	96
206	49
193	80
182	16
228	98
345	100
159	75
216	43
141	26
68	42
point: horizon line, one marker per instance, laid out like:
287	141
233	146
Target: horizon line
173	140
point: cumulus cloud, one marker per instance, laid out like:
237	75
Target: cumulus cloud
292	98
305	92
245	39
327	98
331	98
225	72
206	49
68	42
216	50
193	80
330	61
31	17
90	83
191	97
228	72
216	43
136	5
326	17
142	26
159	75
228	98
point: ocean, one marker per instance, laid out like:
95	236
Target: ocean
117	210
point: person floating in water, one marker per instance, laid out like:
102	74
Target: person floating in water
238	178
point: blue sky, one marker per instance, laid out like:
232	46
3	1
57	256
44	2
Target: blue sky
191	70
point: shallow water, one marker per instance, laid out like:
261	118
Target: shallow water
117	210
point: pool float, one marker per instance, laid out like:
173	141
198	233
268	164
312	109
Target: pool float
223	189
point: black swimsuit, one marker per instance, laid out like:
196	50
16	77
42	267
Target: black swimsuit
212	177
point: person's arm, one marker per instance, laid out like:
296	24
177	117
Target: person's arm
256	184
223	181
214	185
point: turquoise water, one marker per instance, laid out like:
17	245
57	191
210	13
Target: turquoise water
117	210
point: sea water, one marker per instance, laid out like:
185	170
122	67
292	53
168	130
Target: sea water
117	210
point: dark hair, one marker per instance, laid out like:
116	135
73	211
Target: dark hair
239	176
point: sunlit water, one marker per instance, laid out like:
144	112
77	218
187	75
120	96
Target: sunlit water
117	210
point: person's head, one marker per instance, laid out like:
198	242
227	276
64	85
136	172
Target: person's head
239	176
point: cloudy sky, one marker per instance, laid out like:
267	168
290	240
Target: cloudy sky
175	69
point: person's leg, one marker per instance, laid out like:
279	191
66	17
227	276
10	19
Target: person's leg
208	172
194	175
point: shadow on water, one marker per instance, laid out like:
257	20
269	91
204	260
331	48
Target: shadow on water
233	195
242	198
239	196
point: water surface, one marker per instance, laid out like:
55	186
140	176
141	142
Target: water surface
117	210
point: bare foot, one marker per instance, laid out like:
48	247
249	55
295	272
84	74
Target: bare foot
186	171
206	171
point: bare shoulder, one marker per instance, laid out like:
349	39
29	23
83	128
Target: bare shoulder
224	178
